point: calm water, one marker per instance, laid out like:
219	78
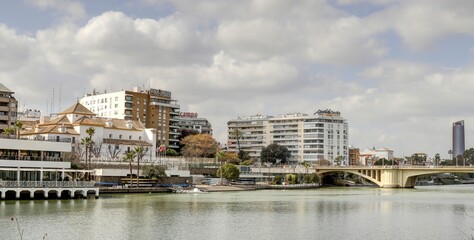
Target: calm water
445	212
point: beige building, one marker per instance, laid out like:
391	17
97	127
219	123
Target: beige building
8	108
112	137
154	108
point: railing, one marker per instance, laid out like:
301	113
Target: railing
49	184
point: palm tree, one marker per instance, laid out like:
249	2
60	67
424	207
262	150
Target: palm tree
237	134
87	142
90	131
129	156
139	152
17	126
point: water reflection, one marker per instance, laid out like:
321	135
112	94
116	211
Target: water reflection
327	213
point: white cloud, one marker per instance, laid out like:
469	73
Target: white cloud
73	10
229	58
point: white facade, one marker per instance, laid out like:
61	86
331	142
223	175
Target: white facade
106	105
112	137
309	138
369	156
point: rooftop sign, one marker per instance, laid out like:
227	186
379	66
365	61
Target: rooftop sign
160	93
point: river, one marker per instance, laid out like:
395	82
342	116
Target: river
430	212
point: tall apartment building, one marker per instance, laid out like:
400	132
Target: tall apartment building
190	120
8	108
153	107
323	135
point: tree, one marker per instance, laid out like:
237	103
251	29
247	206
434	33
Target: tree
8	131
237	134
87	142
437	159
171	152
129	156
17	126
469	156
183	133
139	152
199	145
228	171
228	157
383	162
114	150
338	160
274	152
154	171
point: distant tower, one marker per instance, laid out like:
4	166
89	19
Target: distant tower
458	138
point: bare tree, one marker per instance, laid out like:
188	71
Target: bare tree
96	148
114	150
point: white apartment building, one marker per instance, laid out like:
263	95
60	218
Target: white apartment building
323	135
154	108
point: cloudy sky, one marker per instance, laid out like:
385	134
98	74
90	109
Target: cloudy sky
400	71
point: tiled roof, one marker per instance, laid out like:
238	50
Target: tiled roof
78	108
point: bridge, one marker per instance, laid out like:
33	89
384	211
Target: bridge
383	176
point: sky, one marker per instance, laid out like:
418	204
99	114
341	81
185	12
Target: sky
401	72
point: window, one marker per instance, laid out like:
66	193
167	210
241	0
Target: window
120	136
110	135
130	137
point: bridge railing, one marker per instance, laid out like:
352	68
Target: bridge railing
48	184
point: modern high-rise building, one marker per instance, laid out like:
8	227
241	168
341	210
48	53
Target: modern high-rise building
153	107
458	138
309	138
8	108
191	121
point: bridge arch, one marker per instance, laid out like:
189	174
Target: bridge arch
372	175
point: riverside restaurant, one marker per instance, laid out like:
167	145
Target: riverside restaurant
32	169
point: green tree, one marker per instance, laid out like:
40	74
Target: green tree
128	157
229	172
383	162
277	180
8	131
154	171
291	179
199	145
17	126
274	152
469	156
171	152
87	142
338	160
139	152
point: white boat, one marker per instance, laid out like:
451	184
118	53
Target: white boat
194	190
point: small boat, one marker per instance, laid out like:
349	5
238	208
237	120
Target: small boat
194	190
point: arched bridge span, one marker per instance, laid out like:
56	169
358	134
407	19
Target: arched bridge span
392	176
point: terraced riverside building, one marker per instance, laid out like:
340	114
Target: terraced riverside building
323	135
